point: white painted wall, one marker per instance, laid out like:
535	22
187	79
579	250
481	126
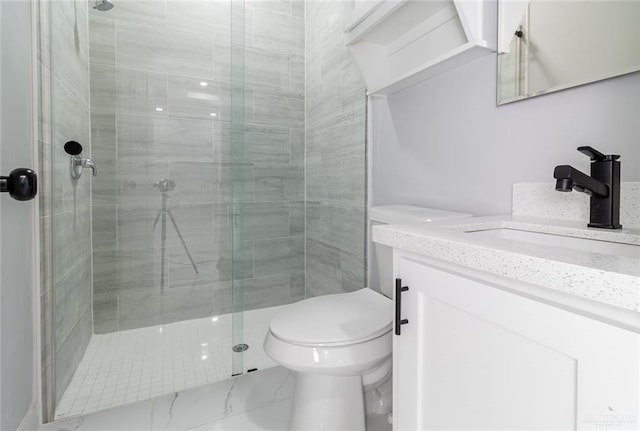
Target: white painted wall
17	222
445	143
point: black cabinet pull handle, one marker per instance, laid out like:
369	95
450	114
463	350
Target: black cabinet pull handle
399	320
22	184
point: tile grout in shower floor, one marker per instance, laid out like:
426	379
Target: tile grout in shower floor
128	366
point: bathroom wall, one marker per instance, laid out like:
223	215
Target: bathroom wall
445	143
161	108
69	209
335	157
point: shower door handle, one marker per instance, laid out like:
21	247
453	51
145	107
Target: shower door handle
21	184
399	321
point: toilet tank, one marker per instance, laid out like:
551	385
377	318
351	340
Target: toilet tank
381	277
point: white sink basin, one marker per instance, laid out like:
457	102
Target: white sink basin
566	242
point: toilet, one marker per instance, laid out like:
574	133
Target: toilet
339	345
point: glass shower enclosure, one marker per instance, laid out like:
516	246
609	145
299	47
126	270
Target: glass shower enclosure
192	114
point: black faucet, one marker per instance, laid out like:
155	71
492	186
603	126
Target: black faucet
603	186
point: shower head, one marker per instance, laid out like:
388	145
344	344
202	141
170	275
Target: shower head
103	5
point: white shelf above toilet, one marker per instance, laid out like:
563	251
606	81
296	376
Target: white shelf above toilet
399	43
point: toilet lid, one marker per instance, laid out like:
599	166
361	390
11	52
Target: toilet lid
343	318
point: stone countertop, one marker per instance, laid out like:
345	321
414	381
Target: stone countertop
606	278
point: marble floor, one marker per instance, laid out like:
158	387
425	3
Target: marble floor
139	364
258	401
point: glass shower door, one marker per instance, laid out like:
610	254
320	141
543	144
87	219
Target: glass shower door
146	253
267	169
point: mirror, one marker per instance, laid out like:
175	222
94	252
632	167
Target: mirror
547	46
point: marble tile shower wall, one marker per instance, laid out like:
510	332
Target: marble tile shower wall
65	210
336	156
160	108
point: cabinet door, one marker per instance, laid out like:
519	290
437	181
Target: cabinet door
473	356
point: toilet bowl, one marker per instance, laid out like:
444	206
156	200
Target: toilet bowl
339	345
335	344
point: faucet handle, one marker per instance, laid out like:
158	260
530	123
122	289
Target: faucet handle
597	156
73	148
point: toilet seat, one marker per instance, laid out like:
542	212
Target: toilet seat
335	320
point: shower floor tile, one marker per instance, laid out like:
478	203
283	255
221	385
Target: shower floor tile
139	364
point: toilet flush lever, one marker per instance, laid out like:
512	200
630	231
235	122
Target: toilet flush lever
399	321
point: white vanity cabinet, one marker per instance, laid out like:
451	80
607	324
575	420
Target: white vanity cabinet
475	355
